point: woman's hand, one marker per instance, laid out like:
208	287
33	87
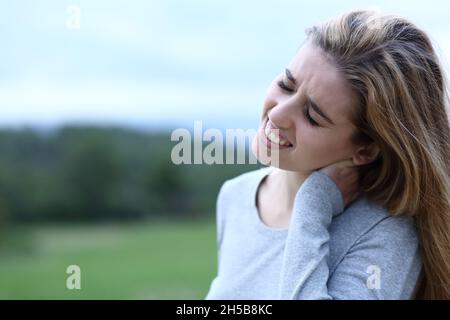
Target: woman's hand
345	175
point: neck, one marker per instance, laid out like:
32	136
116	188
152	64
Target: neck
283	186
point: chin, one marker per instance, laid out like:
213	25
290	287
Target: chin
261	156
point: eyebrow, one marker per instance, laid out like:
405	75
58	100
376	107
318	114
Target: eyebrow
289	76
319	111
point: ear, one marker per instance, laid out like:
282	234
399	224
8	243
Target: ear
366	154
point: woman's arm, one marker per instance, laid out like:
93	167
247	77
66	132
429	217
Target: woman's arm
305	272
388	250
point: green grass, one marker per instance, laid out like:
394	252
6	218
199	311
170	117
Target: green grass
142	261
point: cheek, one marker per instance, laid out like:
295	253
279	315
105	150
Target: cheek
318	147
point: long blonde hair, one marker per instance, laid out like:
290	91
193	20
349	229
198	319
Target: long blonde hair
403	99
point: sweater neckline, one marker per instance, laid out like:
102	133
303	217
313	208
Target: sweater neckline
261	226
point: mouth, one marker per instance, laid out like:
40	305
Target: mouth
272	137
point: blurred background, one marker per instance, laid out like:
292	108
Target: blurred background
90	92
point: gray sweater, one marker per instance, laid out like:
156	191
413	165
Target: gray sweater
326	253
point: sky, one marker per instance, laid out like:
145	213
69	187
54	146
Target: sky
159	64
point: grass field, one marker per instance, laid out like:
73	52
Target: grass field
140	261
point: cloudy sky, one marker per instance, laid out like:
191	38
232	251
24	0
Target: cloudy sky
162	63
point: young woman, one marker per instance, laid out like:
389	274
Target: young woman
357	203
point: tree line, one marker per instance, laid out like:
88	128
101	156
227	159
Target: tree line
88	173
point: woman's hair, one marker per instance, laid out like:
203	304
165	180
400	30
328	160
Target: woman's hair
403	99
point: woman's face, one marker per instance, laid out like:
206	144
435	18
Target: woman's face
311	86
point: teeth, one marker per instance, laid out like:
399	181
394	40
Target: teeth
272	136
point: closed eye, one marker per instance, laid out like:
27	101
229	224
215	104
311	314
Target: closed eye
306	112
284	87
308	117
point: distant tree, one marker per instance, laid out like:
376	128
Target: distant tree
167	186
91	171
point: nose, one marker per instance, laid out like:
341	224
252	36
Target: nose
282	115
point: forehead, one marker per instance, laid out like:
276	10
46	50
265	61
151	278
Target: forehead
321	80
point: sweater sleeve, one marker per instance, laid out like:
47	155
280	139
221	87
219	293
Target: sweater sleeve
382	264
385	264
